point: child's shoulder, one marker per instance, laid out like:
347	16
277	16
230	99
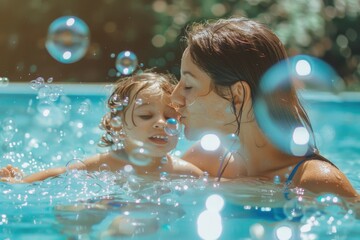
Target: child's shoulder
115	160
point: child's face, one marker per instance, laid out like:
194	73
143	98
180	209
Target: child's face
146	122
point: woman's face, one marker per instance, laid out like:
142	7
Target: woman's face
202	110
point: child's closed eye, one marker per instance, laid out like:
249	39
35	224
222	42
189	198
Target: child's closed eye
145	117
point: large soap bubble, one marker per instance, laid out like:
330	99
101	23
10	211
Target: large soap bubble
68	39
274	105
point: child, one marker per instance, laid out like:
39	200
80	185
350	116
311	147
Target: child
135	129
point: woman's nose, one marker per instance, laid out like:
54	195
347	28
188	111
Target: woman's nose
177	100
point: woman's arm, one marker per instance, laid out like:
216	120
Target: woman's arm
183	167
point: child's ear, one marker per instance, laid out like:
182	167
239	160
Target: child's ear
241	93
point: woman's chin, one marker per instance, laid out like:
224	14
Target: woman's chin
193	134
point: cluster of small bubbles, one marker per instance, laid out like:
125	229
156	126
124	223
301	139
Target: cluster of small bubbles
140	156
328	216
117	145
332	204
65	104
84	107
172	127
68	39
126	62
50	113
294	208
138	101
44	107
37	83
132	184
4	81
116	122
78	128
169	199
203	181
119	103
8	129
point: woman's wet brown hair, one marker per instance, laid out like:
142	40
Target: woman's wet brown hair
242	50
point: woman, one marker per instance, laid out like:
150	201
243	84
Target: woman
221	69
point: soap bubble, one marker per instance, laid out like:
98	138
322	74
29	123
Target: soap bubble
126	62
68	39
4	81
37	83
275	104
172	127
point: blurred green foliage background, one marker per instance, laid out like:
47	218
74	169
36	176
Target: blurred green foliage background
328	29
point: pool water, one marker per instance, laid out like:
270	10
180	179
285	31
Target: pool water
60	126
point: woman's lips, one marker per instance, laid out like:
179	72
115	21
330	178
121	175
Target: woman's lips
182	118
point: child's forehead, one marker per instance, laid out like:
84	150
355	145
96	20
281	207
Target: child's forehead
147	96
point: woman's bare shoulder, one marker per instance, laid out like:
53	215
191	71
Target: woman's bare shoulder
320	176
183	167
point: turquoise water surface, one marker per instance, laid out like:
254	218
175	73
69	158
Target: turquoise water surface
60	125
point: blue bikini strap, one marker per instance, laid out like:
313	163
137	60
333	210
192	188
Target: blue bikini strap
292	174
288	181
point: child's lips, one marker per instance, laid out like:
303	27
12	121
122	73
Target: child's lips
159	139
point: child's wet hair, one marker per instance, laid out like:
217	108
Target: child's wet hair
125	93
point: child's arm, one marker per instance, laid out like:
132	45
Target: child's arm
92	163
40	176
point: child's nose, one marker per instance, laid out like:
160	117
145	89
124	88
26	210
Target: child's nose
160	123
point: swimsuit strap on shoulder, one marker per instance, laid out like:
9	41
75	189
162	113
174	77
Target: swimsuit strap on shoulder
292	174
